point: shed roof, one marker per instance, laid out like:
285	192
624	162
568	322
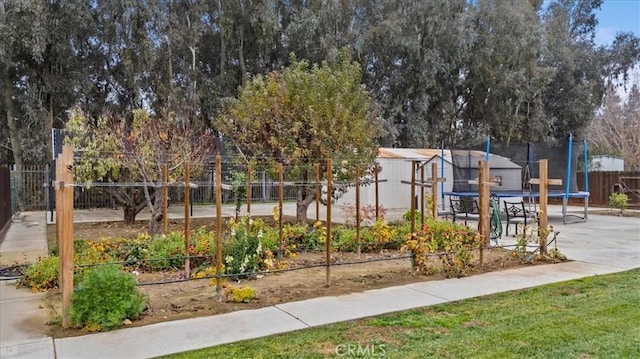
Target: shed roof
461	159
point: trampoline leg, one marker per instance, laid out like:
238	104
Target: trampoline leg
586	208
565	201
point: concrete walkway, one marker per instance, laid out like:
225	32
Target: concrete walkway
604	244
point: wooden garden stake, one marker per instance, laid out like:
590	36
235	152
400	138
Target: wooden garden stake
317	172
413	198
328	241
187	198
422	195
165	197
218	227
358	210
59	215
67	229
544	181
434	189
376	171
280	204
542	229
249	170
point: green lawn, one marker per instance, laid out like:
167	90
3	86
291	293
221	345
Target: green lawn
596	317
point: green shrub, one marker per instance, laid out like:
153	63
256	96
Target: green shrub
344	239
619	201
165	252
453	242
242	248
41	275
106	297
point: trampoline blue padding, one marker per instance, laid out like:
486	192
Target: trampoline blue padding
551	194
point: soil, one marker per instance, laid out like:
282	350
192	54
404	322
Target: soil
198	297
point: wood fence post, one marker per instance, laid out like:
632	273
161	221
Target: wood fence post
317	172
60	216
280	204
218	228
67	229
542	224
187	198
249	189
434	190
358	216
165	197
413	199
422	195
376	171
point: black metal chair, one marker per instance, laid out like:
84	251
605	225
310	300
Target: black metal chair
516	214
466	208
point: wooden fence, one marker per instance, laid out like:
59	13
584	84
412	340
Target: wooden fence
603	184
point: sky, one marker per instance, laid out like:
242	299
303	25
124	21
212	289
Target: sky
615	16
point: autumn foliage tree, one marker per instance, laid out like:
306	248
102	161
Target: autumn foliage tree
129	156
616	129
302	115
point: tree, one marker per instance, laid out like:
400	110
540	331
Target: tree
505	81
616	129
40	54
112	150
301	115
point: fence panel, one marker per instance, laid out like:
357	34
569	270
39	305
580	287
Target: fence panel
602	184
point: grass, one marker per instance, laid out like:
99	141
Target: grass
595	317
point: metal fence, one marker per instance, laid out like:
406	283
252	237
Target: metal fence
32	190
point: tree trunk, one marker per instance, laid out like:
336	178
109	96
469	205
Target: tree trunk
11	123
48	128
129	214
155	223
305	197
132	202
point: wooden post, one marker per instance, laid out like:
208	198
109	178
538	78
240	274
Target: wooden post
422	196
59	215
376	171
434	190
413	198
328	241
544	182
218	228
280	204
67	229
165	197
187	198
317	171
542	225
358	210
483	194
249	188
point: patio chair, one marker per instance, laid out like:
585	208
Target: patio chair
466	208
517	214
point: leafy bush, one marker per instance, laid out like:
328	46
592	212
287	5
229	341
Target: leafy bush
453	242
105	298
41	275
619	201
242	248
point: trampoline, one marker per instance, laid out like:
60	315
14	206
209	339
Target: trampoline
514	165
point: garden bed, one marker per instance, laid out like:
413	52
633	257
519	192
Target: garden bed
194	298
